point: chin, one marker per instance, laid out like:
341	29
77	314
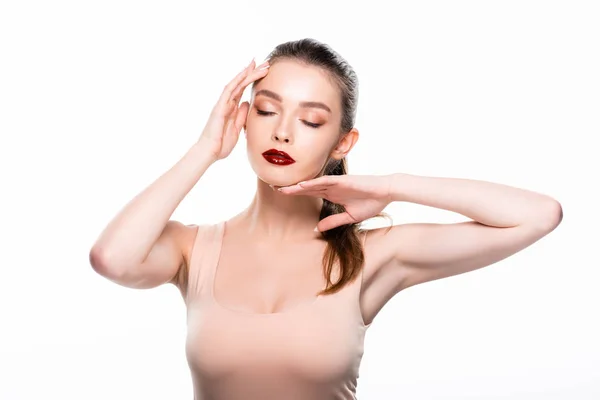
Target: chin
284	175
281	175
279	178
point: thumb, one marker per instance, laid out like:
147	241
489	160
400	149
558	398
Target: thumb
333	221
240	118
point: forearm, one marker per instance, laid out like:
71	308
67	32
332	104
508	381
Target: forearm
488	203
130	235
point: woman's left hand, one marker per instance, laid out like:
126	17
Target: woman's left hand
363	196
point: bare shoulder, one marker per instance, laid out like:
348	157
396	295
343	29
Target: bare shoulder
184	234
382	280
380	263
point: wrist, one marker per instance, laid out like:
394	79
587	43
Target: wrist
396	184
200	156
203	153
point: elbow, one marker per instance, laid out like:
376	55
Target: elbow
116	271
555	214
101	262
551	217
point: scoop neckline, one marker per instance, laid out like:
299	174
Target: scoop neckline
215	266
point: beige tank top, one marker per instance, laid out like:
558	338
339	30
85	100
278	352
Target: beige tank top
310	352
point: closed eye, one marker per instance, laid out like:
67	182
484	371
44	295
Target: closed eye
267	113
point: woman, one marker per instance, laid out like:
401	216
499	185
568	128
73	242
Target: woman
278	309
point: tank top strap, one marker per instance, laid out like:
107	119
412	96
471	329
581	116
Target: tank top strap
361	283
205	252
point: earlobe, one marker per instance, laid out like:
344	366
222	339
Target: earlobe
338	153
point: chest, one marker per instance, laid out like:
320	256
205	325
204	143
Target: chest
262	278
320	343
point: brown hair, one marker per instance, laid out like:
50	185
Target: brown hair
343	242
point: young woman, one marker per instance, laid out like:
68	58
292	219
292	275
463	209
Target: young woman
280	296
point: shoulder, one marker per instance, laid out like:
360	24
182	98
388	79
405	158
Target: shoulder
187	235
382	279
180	232
376	241
385	241
380	247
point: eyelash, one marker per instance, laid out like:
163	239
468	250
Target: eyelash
267	113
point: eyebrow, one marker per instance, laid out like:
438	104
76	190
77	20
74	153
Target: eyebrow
304	104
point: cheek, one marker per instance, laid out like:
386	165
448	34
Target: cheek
311	150
309	163
315	155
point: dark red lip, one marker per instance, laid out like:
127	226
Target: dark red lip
278	157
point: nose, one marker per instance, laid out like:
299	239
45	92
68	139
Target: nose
283	130
282	136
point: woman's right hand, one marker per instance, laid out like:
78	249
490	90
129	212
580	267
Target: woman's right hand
227	118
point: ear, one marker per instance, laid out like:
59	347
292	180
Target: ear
345	144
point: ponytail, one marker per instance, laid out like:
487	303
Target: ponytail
343	242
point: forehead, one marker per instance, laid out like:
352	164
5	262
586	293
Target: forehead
296	82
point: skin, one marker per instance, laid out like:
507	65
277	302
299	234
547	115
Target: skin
271	256
249	278
272	215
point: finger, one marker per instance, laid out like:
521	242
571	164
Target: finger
322	194
240	117
333	221
318	187
316	193
322	182
237	120
248	79
293	189
226	95
297	189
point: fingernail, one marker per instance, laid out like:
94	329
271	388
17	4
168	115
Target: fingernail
316	229
264	65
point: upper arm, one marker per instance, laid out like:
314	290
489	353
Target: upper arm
165	263
422	252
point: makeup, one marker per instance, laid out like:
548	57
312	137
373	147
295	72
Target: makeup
278	157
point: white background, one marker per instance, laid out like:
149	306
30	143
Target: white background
97	99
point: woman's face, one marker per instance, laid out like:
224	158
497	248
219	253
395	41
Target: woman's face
295	109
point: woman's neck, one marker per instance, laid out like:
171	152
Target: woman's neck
275	215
